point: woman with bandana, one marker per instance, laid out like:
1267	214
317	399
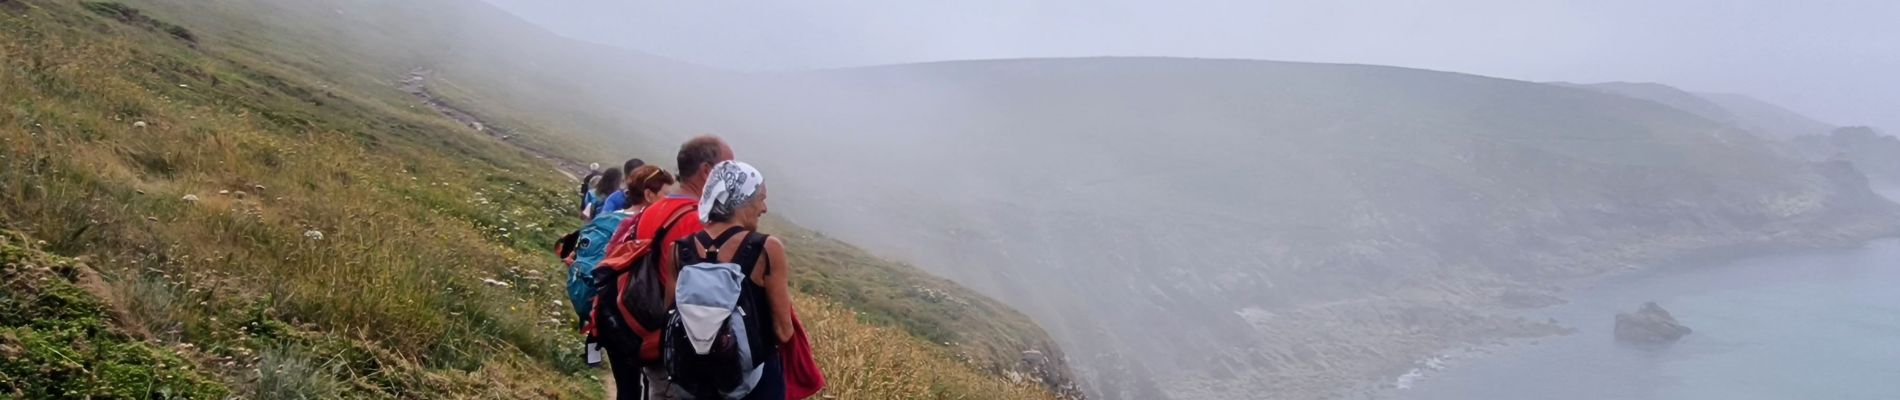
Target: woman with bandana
731	205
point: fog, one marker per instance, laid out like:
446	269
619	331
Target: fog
1224	226
1832	60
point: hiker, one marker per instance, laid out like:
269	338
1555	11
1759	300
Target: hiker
618	200
587	188
608	183
633	346
646	185
730	207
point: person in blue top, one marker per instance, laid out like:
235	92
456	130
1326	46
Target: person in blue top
587	188
617	200
609	183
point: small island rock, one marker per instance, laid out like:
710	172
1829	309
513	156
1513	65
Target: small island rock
1649	324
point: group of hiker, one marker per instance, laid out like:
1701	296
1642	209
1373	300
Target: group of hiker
672	279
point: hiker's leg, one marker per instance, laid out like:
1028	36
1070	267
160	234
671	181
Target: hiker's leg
771	382
657	386
627	378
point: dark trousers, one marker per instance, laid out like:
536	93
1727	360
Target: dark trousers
771	382
627	375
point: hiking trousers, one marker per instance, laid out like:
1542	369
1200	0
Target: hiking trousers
656	386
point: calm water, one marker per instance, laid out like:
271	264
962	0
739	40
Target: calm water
1815	326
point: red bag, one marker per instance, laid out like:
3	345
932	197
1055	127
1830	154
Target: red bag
802	377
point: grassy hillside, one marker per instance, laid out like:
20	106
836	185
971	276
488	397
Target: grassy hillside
275	227
593	103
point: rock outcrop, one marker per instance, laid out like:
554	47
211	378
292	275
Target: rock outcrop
1649	324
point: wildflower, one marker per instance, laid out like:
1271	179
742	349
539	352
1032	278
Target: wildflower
313	234
190	198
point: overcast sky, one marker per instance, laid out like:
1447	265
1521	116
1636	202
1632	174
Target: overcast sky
1833	60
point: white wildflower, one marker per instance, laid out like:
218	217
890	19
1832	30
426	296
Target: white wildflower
190	198
313	234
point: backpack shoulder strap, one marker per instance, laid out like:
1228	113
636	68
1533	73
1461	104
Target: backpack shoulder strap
713	245
752	254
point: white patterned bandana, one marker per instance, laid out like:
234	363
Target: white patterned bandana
731	185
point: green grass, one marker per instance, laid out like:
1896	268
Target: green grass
413	211
131	15
58	342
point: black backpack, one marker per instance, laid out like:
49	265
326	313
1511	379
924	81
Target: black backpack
742	341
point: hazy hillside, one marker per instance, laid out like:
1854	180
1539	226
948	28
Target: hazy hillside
1869	150
1768	117
1671	97
1218	228
218	199
1747	113
484	58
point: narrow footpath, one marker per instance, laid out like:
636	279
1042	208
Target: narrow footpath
416	84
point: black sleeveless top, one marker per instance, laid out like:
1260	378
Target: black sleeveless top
761	325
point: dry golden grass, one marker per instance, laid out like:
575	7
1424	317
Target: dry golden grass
863	361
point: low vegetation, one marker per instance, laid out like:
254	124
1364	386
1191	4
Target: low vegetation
131	15
260	233
58	343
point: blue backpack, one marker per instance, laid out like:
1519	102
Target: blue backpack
716	342
590	246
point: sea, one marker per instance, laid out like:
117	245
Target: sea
1821	325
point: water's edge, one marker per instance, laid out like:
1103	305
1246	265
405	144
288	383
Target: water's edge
1592	307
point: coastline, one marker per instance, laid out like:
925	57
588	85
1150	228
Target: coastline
1717	257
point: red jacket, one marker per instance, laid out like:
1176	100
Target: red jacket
688	225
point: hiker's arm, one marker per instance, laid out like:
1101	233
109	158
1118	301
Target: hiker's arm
778	287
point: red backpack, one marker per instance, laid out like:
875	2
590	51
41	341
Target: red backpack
635	280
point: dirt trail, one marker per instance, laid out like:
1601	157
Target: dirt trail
417	85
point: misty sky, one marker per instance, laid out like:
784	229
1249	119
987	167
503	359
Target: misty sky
1833	60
